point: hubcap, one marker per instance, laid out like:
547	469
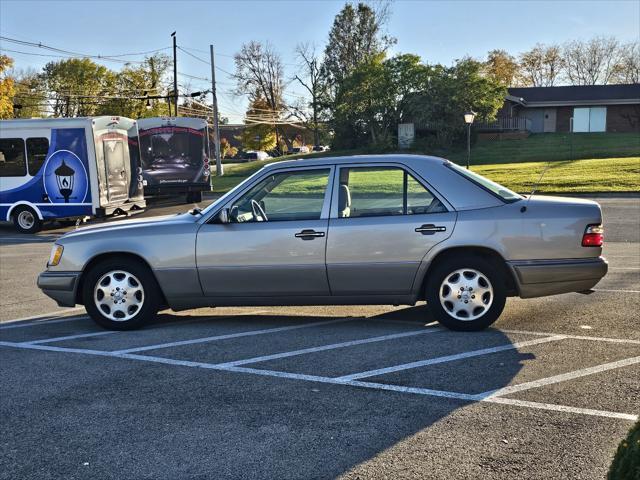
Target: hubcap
26	220
118	295
466	294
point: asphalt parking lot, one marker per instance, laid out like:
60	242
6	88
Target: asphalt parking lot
320	392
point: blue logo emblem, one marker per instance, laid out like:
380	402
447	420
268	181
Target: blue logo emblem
65	178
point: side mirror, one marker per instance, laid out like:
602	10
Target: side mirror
223	216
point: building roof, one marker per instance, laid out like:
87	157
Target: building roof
576	95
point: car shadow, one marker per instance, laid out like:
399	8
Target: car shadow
284	428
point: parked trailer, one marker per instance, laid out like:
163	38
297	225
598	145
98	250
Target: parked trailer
175	156
65	169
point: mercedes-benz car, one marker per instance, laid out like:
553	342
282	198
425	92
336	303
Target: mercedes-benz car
381	229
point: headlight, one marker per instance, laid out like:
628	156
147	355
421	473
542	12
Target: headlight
56	255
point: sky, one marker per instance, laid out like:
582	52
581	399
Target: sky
438	31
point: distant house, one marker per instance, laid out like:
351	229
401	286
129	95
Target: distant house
590	108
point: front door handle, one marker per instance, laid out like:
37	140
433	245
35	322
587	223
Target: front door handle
309	234
430	229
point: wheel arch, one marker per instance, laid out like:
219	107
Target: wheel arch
110	255
485	253
27	204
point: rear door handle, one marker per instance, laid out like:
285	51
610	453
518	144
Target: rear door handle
430	229
309	234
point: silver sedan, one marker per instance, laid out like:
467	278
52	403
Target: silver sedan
384	229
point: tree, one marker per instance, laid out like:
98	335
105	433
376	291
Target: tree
310	112
451	92
356	36
628	68
260	133
132	85
77	86
30	99
593	62
502	66
541	66
259	74
7	90
226	150
375	98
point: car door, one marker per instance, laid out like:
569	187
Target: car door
383	221
275	242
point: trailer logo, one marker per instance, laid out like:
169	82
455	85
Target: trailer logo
65	178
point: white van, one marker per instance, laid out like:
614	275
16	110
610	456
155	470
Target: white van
67	168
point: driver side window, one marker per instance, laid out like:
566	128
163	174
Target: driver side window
293	195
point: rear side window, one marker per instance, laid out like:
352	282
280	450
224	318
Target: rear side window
12	162
383	191
37	149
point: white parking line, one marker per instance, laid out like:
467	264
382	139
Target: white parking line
575	337
448	358
612	290
521	387
323	348
232	335
68	337
334	381
42	321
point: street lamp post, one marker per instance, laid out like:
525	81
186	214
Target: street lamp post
468	119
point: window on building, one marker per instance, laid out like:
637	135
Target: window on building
590	119
37	149
12	162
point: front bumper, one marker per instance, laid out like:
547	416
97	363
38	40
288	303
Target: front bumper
61	286
538	278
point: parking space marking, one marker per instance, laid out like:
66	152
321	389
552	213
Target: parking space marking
615	291
448	358
231	335
575	337
69	337
333	346
561	408
49	318
561	378
334	381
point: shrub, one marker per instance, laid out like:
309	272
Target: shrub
626	463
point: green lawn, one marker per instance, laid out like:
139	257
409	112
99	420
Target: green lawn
589	175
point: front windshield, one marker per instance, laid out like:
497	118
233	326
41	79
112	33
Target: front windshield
503	192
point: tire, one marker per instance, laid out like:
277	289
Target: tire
103	285
196	197
447	302
26	220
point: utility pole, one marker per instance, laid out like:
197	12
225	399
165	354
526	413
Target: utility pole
219	170
175	75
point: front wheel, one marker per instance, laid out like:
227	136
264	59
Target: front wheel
26	220
120	294
466	293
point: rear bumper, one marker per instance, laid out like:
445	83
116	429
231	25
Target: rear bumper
61	286
538	278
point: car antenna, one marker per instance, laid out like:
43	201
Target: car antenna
535	186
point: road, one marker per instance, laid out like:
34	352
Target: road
321	392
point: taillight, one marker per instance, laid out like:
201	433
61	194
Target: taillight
593	236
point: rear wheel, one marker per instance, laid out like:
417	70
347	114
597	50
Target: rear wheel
466	293
120	294
26	220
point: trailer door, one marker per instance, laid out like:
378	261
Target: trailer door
116	166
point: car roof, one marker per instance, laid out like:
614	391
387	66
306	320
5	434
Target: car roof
311	162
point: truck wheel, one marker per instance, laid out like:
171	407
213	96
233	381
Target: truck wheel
26	220
466	293
120	294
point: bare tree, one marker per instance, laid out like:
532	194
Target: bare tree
541	66
628	68
259	74
311	79
591	62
